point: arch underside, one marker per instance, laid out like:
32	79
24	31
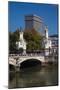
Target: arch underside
30	63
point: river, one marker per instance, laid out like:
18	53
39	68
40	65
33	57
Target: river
36	76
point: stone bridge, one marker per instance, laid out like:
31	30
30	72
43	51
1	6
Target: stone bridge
26	58
17	60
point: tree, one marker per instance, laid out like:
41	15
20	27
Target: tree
13	37
33	39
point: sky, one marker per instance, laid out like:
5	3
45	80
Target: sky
18	10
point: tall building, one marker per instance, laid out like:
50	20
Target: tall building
34	22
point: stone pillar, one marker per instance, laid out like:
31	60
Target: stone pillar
24	52
21	35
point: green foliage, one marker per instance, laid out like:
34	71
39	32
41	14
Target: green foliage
16	34
33	39
13	37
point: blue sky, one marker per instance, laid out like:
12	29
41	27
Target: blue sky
48	12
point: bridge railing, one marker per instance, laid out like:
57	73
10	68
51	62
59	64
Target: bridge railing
30	54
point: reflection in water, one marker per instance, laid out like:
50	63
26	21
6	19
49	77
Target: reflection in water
34	76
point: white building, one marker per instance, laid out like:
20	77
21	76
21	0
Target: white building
21	43
54	40
47	43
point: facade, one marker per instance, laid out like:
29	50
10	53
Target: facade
54	40
21	43
34	22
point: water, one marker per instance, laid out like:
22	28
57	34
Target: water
34	76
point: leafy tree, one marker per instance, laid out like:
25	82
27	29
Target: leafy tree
33	39
13	37
16	34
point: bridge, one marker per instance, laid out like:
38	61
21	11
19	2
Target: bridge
17	60
27	58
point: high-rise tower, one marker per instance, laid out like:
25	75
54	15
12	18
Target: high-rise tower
34	22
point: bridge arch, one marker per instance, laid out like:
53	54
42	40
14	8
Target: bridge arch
30	63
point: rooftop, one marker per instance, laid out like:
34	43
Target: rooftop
33	15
